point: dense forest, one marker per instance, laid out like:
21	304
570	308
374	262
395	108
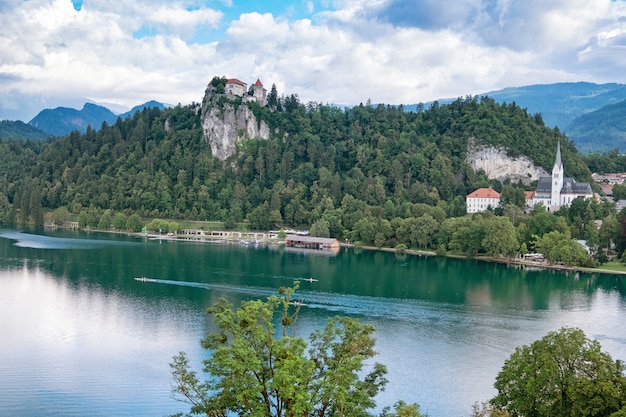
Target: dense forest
374	174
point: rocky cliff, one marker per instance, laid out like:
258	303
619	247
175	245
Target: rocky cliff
498	165
225	124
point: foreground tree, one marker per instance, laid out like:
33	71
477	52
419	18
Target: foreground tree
563	374
256	372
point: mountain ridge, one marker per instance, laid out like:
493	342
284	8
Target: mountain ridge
63	120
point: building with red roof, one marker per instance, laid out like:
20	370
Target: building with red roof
235	87
482	199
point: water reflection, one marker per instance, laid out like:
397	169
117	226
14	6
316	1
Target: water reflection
85	338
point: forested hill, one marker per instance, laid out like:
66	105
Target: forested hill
600	131
320	160
18	129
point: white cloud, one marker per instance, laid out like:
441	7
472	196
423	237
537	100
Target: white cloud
344	52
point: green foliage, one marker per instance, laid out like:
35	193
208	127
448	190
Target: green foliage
402	409
257	368
158	226
374	174
60	216
500	237
600	130
560	247
134	223
563	374
18	129
610	162
487	410
119	221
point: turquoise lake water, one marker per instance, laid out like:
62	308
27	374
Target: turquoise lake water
80	336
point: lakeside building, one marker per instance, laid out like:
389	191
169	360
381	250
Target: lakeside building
308	242
482	199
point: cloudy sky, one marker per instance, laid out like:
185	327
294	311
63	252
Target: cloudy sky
63	52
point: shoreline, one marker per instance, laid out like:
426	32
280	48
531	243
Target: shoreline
507	261
418	252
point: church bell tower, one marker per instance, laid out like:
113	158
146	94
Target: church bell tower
557	180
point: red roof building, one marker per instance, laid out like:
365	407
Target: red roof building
235	87
482	199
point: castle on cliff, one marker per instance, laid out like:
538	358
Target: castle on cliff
238	88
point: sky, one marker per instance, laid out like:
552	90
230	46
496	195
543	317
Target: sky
340	52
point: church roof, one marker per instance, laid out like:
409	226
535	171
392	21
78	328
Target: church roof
258	83
544	185
570	186
557	160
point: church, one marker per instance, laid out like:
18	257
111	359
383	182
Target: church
559	191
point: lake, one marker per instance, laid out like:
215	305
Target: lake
80	336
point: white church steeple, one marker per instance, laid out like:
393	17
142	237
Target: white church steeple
557	180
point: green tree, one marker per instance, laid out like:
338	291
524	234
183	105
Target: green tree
564	374
560	247
82	219
119	221
619	191
320	228
500	237
257	369
402	409
134	223
60	215
36	210
105	220
512	195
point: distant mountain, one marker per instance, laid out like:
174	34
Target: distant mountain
150	104
601	130
561	103
63	120
19	129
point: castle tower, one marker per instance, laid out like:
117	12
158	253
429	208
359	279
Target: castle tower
259	92
557	180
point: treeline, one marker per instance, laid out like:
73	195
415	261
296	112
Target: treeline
374	174
18	129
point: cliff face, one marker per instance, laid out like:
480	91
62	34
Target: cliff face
498	165
224	126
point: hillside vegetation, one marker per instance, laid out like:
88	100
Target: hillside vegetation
372	174
600	131
17	129
157	162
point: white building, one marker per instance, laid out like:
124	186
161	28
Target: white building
482	199
235	87
558	190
